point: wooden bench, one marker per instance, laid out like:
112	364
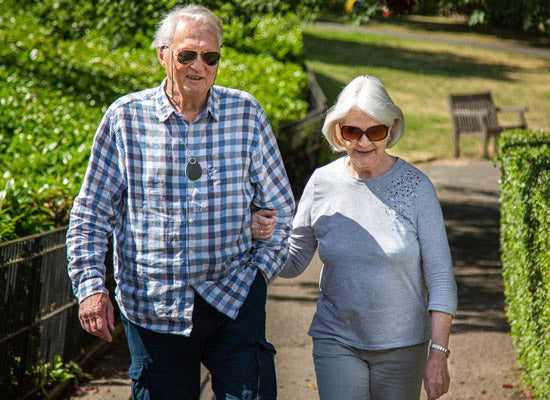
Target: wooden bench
476	114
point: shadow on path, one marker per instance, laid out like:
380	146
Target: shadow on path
473	233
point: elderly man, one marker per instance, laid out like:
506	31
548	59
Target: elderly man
173	174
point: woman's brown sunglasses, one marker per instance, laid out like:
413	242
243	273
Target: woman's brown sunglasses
353	133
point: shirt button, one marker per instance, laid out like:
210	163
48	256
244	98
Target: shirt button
191	220
191	252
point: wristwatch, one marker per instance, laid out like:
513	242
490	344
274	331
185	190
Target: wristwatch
441	348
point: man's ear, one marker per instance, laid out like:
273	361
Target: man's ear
161	52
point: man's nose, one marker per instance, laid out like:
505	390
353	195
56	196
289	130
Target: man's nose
197	63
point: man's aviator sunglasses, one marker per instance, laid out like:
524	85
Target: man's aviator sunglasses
184	57
354	133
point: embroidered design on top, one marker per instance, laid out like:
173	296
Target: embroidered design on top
401	194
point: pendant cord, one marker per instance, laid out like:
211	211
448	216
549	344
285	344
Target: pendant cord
193	170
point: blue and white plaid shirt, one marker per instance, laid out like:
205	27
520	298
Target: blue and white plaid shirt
174	236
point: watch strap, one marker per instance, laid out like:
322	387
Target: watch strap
441	348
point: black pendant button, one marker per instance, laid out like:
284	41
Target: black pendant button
193	170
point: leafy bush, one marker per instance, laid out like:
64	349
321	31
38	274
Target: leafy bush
528	15
275	35
54	92
123	21
253	25
280	88
525	246
51	102
247	10
51	374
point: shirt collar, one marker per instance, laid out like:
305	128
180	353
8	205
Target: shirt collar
164	108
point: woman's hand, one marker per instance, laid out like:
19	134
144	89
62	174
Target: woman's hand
436	372
436	375
263	224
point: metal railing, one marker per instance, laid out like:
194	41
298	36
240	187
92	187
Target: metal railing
39	315
301	142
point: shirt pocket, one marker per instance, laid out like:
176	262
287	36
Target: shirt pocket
229	180
160	170
155	181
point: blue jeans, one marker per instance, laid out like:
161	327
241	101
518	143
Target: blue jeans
345	372
236	353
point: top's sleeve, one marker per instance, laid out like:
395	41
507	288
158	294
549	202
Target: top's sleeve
303	242
436	256
272	191
94	213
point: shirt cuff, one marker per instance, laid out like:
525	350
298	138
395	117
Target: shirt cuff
89	287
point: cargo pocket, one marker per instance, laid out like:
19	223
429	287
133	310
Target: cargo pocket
138	374
267	382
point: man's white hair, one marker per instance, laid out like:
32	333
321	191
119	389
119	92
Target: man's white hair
165	31
367	94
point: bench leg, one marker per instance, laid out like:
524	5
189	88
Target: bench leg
485	144
456	148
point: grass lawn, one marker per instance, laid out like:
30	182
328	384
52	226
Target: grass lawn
452	28
418	74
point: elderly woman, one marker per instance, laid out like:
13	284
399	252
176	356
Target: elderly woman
387	284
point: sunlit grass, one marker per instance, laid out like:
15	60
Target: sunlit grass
457	29
419	75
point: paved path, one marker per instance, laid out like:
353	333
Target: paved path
539	52
482	363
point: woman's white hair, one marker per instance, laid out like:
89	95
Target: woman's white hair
368	95
165	31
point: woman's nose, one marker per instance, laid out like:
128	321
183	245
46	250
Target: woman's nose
364	140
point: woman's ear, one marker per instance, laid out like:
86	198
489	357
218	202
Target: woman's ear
390	130
337	135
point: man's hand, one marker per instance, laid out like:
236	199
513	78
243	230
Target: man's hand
436	375
97	317
263	224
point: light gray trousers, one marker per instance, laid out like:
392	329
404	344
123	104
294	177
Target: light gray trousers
347	373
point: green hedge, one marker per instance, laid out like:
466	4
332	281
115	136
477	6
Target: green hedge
256	26
525	246
53	93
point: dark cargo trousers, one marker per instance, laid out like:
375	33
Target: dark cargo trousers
236	353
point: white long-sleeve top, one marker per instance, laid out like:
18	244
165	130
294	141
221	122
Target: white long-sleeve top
385	254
